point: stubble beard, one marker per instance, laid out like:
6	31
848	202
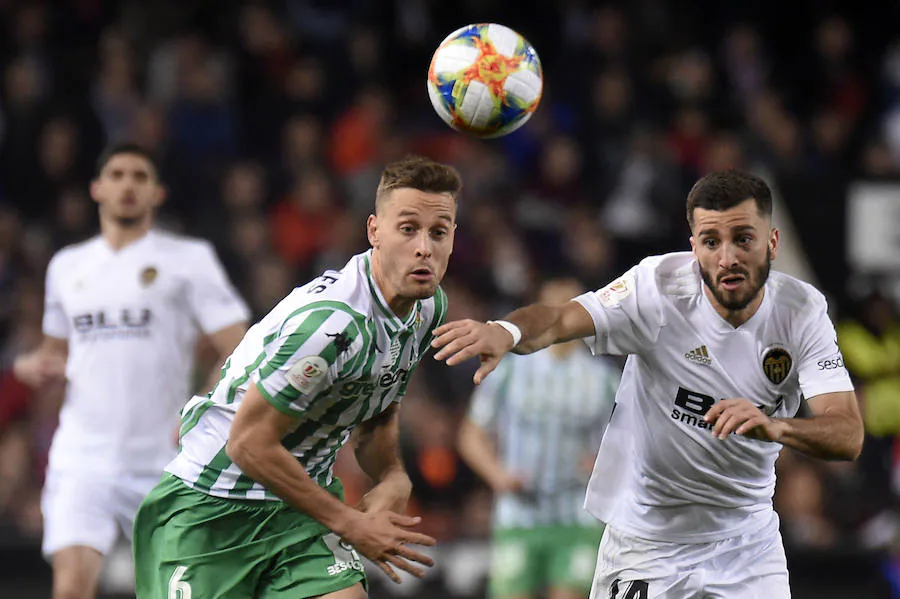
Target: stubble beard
736	303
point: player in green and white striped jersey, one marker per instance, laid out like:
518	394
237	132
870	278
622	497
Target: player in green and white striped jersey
253	483
532	432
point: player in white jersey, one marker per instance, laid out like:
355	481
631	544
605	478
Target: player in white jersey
532	432
122	314
250	507
723	360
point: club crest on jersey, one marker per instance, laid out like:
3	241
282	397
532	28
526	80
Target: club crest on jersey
776	364
306	373
148	275
342	341
616	291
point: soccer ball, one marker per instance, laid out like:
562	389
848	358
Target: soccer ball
485	80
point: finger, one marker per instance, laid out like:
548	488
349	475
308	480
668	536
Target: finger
442	340
388	570
722	424
716	410
403	519
449	326
487	367
411	555
734	420
460	340
399	562
417	538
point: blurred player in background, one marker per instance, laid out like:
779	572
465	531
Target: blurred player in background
122	314
545	413
722	357
251	507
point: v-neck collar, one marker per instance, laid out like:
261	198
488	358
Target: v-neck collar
395	321
136	244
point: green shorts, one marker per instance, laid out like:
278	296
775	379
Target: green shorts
190	544
528	560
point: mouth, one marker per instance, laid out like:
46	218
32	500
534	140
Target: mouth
732	282
422	275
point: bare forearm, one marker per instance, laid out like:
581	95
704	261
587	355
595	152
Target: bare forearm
827	436
539	325
478	452
277	470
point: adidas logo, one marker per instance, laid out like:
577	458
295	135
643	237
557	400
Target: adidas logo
699	355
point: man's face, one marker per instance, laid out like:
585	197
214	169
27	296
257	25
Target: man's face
735	249
412	236
127	189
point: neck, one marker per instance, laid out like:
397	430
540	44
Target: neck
735	317
118	234
399	305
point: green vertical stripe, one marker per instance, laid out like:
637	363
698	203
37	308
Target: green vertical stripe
211	471
295	341
440	311
191	419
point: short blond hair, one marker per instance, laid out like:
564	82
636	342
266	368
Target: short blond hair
418	172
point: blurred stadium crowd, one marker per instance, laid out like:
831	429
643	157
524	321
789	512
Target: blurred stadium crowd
272	121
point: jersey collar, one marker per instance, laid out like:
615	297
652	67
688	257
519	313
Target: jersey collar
751	323
136	244
382	305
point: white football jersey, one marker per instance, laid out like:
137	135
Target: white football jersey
660	474
131	318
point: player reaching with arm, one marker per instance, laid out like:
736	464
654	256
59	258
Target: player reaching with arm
721	355
121	318
251	507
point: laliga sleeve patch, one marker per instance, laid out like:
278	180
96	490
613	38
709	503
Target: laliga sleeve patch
616	291
306	374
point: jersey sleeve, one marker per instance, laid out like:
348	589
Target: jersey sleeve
487	399
307	356
55	322
627	313
821	368
212	298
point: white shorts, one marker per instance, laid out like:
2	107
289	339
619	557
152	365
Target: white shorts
90	509
750	566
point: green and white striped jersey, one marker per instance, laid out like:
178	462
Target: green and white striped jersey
547	415
332	354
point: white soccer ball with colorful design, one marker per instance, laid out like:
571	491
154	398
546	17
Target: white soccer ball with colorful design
485	79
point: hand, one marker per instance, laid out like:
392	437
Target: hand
383	537
743	418
39	369
463	339
390	495
508	483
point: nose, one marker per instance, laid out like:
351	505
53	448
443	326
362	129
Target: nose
423	245
727	256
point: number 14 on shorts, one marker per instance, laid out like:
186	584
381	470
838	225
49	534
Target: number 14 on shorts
630	589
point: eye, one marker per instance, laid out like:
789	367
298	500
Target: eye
439	233
710	243
408	229
744	240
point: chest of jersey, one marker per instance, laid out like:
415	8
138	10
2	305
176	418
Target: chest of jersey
700	362
119	297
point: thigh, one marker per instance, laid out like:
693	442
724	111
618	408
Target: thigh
78	510
751	566
571	555
516	567
632	568
310	565
76	571
189	544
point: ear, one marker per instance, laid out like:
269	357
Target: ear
372	230
161	195
693	246
95	190
774	241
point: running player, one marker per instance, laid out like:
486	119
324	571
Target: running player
532	432
250	507
722	357
121	318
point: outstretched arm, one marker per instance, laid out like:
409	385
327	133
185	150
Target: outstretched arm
541	325
376	443
477	450
45	365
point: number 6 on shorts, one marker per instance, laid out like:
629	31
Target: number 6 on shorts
179	589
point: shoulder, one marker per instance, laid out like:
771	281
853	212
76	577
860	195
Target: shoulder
181	245
75	251
345	290
672	275
793	297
